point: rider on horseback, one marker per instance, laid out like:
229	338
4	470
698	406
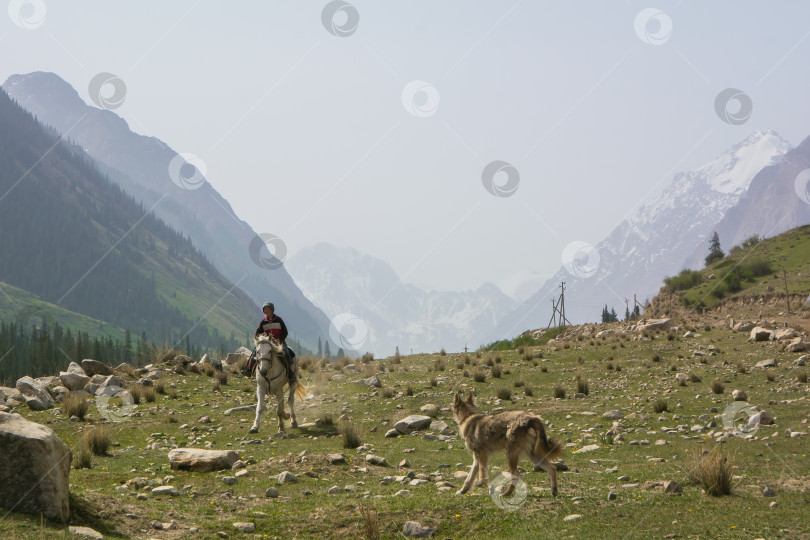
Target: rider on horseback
274	326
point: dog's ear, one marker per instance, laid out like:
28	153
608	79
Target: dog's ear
470	397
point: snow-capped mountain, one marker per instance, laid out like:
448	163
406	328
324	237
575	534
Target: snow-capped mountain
659	239
372	310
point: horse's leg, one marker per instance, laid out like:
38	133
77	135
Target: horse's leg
260	395
280	411
291	402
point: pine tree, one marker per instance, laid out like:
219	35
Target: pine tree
326	353
613	316
320	348
715	252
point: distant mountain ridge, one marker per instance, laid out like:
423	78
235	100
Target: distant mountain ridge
388	313
74	239
140	165
657	240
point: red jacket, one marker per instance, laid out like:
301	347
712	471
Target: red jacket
274	327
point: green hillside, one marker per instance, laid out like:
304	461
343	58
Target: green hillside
771	266
24	308
72	238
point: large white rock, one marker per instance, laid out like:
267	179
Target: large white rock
760	334
73	367
199	460
744	326
653	324
797	345
35	393
73	381
413	423
781	334
34	468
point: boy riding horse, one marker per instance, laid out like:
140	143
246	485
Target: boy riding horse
274	326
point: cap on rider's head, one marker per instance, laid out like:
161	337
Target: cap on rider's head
269	305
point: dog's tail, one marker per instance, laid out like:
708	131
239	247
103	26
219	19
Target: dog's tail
548	449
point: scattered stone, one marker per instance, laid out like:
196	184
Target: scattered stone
739	395
271	493
34	469
391	433
334	490
35	393
166	490
801	360
672	487
416	530
376	460
797	345
87	532
760	334
229	480
613	415
335	459
287	478
770	362
768	492
572	517
199	460
373	381
244	526
429	409
239	409
73	381
402	493
587	448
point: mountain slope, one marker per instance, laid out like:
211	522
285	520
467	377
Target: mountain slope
778	200
140	166
76	240
657	240
389	313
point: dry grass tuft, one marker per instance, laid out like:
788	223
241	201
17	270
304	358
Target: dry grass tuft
349	434
713	471
97	440
75	405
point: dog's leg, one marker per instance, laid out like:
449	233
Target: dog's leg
549	468
482	467
512	457
470	477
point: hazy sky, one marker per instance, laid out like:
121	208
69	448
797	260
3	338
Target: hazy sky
372	128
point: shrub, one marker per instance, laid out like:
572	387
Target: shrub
544	369
84	458
97	440
770	377
159	387
325	420
349	434
172	393
439	365
504	394
216	386
497	371
685	280
371	524
528	390
583	387
409	390
149	394
221	376
802	377
519	382
75	405
718	387
136	391
741	368
694	377
656	358
433	382
479	375
660	405
442	352
559	391
712	470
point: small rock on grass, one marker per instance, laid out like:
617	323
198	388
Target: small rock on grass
85	531
673	487
244	526
768	491
414	529
572	517
287	478
271	493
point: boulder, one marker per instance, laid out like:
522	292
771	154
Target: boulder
797	345
613	415
35	393
49	382
34	469
744	326
739	395
8	394
429	409
414	529
760	334
798	362
373	381
653	324
199	460
770	362
94	367
73	381
232	359
73	367
112	380
782	334
672	487
412	423
244	351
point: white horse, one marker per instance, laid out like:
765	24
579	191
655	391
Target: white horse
271	377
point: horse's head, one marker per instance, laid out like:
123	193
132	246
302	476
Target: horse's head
266	349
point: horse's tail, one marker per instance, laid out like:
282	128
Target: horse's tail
300	391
